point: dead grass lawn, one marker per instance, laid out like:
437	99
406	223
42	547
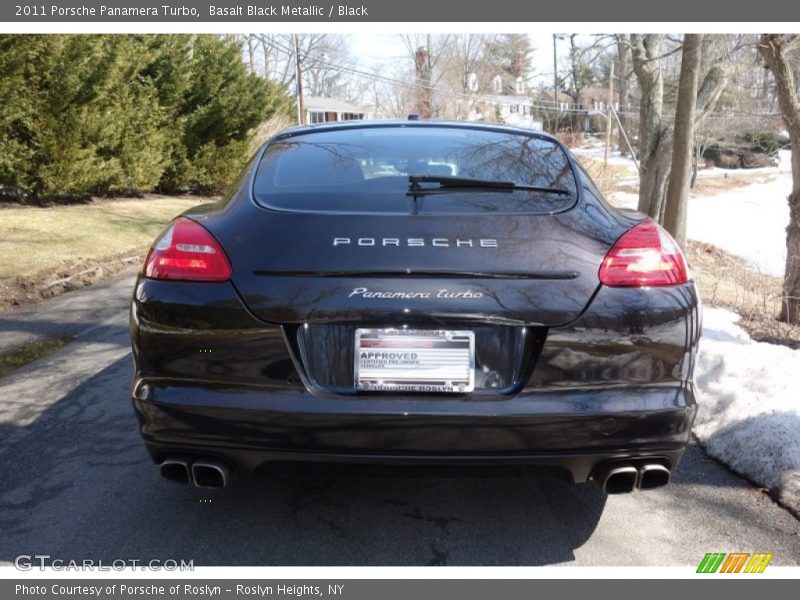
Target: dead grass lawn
41	246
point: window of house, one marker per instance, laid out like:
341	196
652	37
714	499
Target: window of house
497	84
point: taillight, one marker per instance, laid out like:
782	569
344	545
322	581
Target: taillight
187	252
644	256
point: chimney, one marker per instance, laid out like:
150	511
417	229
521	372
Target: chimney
518	64
424	93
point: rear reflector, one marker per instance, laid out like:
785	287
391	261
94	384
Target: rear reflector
187	252
644	256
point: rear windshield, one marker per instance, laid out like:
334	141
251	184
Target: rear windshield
366	170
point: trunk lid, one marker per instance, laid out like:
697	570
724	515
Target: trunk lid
294	268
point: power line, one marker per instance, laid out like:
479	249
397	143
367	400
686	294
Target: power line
539	105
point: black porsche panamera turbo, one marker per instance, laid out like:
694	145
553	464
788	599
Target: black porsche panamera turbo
415	292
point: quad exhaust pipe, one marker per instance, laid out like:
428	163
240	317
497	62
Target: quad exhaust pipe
210	473
623	478
177	469
653	476
619	478
202	472
612	477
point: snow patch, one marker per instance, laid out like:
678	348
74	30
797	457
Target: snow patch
598	152
749	405
748	221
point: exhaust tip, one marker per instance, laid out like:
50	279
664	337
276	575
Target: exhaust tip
653	476
175	469
209	473
621	480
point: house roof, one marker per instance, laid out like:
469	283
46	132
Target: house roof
594	92
509	98
330	105
547	96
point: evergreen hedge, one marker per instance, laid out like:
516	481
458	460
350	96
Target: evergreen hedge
123	114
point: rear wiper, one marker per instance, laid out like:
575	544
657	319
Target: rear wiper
450	184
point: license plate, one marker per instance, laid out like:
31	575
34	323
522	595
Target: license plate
415	360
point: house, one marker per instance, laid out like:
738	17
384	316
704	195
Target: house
515	110
594	99
504	99
508	85
548	106
326	110
545	100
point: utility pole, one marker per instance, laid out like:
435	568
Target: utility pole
298	75
555	85
609	122
627	140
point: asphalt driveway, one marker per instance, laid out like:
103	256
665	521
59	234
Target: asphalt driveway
75	483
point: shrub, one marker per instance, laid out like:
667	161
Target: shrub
222	106
747	151
105	114
213	167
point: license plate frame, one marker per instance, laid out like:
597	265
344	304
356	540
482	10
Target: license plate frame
433	361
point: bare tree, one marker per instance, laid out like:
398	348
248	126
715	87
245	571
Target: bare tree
466	69
776	49
427	51
251	52
323	56
655	132
266	50
583	59
680	176
727	63
656	129
623	84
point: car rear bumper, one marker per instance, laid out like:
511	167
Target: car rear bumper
573	429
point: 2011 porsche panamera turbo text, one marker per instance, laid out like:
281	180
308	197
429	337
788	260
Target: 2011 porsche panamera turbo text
569	341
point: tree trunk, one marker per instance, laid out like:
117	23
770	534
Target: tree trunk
623	87
656	132
775	49
655	136
265	52
698	156
251	54
714	83
576	121
680	176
